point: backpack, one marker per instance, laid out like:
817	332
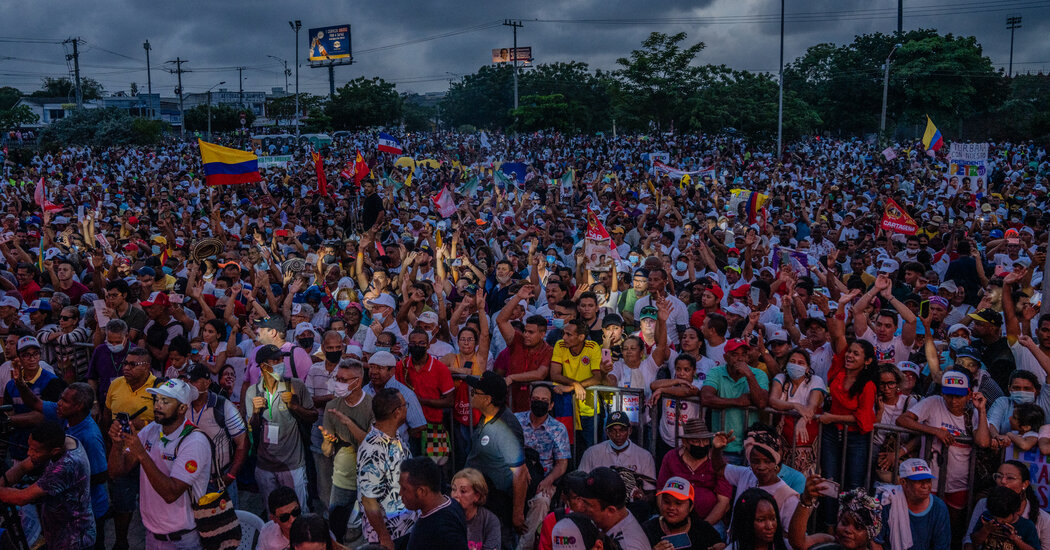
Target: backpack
218	407
214	516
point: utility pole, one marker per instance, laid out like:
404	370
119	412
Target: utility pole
885	91
515	25
240	85
287	71
296	25
1012	23
780	109
331	81
182	112
149	82
75	56
900	17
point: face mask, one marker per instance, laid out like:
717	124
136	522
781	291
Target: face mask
733	261
539	408
83	311
796	371
342	333
958	342
626	443
115	348
343	304
264	266
378	317
946	359
1022	396
430	336
418	352
558	323
307	343
155	249
503	280
219	292
333	356
382	348
698	451
329	259
339	389
680	266
550	260
278	370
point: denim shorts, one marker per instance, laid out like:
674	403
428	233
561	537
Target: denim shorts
124	493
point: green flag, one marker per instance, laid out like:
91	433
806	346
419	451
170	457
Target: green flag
469	187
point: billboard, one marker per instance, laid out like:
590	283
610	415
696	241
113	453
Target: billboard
506	55
329	43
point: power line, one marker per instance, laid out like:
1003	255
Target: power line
483	26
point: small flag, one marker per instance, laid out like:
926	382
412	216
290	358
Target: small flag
932	139
361	169
754	204
889	153
515	169
40	197
444	203
226	166
470	187
322	179
896	220
389	144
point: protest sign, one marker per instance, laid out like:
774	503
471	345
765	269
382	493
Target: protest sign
273	161
1039	467
968	167
896	220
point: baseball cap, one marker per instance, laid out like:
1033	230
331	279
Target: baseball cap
428	318
383	299
574	532
957	327
38	305
610	320
198	371
908	366
736	343
740	291
717	291
738	308
269	352
10	301
382	359
648	312
176	389
156	298
604	484
987	315
889	266
490	384
618	418
950	286
955	383
27	342
273	322
679	488
146	271
915	469
779	335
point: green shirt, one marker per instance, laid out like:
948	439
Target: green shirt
344	463
734	417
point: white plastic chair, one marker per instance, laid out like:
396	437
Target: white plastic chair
251	524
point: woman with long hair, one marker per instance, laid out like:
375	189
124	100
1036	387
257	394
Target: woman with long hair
890	404
851	384
1016	476
472	360
800	390
756	523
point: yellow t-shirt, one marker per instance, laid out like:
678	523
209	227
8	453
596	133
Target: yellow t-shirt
122	399
579	368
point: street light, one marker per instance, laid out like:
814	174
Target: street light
287	71
886	90
296	25
209	107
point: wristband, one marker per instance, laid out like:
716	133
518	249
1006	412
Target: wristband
810	506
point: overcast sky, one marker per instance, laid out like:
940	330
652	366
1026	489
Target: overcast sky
219	35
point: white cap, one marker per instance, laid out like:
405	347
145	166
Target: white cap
779	335
176	389
427	318
382	359
303	328
52	253
10	301
950	286
383	299
738	308
27	342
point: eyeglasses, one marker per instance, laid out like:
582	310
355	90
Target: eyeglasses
293	514
138	363
889	384
30	353
999	478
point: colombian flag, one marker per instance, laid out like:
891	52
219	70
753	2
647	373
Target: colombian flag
932	139
226	166
754	203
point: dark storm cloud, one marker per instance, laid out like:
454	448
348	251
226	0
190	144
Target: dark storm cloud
220	34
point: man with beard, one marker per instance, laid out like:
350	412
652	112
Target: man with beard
176	463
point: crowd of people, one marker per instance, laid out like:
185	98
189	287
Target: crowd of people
589	352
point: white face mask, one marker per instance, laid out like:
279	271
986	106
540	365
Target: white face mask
115	348
339	389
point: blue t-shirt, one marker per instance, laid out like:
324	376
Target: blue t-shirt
47	387
930	529
90	437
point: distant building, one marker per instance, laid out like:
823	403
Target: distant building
253	101
50	109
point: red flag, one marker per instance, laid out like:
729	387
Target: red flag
444	203
896	220
322	180
40	197
361	169
596	232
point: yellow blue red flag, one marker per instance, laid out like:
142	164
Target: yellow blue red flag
226	166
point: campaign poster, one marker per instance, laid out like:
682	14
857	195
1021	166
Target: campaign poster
968	168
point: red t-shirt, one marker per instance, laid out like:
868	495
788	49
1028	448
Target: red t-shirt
30	291
518	358
861	406
433	381
707	485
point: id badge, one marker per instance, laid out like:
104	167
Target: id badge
270	437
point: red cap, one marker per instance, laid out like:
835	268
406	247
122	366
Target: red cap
280	233
133	220
736	343
157	298
717	291
740	291
733	250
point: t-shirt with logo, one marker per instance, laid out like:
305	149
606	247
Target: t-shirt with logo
893	351
579	368
933	412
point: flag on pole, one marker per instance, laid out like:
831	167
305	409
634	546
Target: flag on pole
754	204
361	169
896	220
932	139
40	197
389	144
322	180
444	203
226	166
470	187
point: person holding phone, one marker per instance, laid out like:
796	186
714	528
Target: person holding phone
676	528
858	522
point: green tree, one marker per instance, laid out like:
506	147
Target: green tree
17	117
283	108
224	118
748	103
9	97
483	99
363	103
65	87
416	114
586	93
657	82
545	112
101	128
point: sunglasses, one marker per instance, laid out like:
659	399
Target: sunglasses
66	317
293	514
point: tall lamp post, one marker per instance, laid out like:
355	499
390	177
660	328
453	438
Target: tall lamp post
296	25
886	90
209	107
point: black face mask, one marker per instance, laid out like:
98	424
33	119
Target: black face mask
333	356
699	452
417	352
329	259
307	343
539	408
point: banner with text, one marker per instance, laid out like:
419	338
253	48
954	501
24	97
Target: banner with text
1039	467
968	167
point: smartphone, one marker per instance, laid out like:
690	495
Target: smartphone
829	488
606	355
125	422
680	540
754	295
924	308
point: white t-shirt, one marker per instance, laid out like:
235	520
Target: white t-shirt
742	479
679	314
891	412
933	412
804	388
683	409
716	353
629	533
641	378
1026	361
893	351
271	538
192	465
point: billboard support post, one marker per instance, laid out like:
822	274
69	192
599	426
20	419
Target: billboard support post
296	25
331	81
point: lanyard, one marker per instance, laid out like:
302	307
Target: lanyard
196	421
270	403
